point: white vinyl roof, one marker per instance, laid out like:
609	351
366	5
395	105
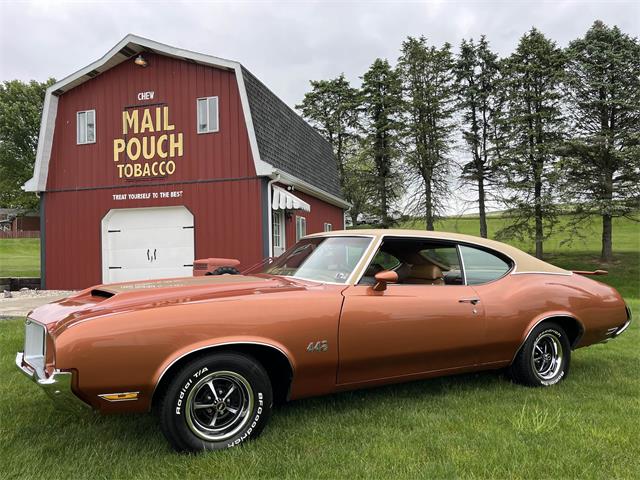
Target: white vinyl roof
285	200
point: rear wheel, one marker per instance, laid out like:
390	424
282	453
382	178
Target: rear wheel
216	402
544	358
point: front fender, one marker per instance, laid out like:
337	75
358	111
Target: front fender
216	343
129	351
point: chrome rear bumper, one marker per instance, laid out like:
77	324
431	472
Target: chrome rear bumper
57	386
626	325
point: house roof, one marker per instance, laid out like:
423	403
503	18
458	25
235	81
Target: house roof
283	145
286	141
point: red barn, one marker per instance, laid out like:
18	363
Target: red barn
153	156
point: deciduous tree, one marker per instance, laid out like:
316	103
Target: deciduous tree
20	112
332	108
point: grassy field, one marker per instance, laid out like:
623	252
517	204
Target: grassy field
471	426
19	257
626	234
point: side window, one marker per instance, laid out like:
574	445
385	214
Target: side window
207	114
385	260
481	266
86	127
381	261
441	266
417	261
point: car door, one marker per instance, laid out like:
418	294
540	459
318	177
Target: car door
408	329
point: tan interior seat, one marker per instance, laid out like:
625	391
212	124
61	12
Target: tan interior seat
426	274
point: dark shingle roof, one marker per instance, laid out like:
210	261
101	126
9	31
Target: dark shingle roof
287	142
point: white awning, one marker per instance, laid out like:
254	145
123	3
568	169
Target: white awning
284	200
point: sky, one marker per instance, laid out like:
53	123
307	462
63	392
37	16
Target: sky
286	43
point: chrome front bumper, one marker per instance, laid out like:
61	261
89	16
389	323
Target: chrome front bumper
57	386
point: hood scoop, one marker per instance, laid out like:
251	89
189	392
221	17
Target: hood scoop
97	292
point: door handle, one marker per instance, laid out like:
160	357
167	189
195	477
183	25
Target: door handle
472	301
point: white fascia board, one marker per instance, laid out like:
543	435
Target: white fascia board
38	182
49	112
262	168
306	187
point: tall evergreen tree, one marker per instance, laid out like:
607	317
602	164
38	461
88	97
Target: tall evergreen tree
531	131
332	108
20	111
428	95
381	97
477	78
602	166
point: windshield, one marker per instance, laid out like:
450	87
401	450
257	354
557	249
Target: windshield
323	259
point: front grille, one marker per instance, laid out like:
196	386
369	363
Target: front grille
35	345
200	266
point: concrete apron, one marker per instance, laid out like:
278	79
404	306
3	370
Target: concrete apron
12	308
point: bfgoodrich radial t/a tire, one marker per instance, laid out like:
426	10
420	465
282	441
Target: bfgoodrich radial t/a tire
214	402
544	358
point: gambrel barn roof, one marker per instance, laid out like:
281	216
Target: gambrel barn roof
283	145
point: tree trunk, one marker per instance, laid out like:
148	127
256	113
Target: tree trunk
384	207
483	214
607	226
428	200
607	252
538	217
354	217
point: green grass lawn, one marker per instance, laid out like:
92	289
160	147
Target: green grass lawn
19	257
473	426
626	233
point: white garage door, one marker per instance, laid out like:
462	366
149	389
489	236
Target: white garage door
147	243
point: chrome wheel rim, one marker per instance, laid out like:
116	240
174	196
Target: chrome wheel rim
547	356
219	406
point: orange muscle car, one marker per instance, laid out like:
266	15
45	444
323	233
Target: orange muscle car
337	311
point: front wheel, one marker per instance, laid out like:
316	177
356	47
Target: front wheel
544	358
215	402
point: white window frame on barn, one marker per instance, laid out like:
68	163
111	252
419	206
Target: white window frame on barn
82	127
277	236
203	125
328	227
301	227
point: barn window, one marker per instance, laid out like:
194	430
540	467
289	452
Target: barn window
86	127
207	114
328	227
301	227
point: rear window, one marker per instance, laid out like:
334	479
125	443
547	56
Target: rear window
481	266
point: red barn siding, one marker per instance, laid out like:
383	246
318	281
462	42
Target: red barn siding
227	219
176	83
321	212
216	172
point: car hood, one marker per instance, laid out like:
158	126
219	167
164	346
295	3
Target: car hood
111	298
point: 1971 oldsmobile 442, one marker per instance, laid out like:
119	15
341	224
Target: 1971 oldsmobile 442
337	311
